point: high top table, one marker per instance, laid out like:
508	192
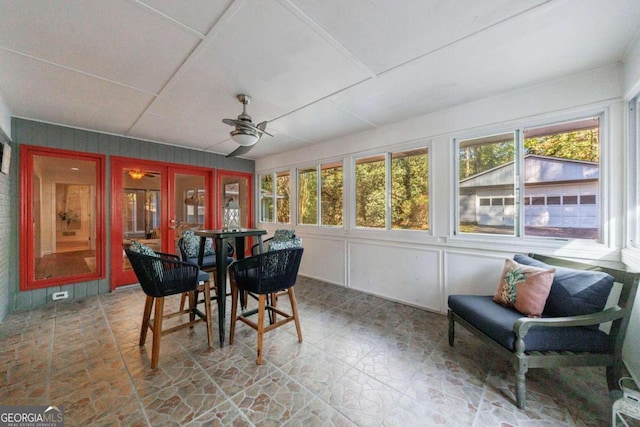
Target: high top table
219	237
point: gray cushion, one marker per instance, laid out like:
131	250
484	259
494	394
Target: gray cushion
497	321
573	292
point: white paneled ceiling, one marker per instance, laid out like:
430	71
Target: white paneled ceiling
169	71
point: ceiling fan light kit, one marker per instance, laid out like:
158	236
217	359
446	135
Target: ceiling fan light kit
245	134
244	137
136	174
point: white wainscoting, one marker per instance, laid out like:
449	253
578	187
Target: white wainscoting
401	273
324	259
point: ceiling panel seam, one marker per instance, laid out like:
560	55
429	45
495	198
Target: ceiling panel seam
167	18
191	57
313	25
75	70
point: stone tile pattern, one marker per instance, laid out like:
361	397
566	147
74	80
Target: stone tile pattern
364	361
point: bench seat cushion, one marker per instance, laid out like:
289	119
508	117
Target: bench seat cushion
497	321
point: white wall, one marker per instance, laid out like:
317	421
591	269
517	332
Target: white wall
423	269
631	256
5	118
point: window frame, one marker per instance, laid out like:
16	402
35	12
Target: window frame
388	159
520	196
292	189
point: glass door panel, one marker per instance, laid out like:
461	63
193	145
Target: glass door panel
141	209
189	203
63	238
235	200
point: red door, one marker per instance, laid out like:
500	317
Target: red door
153	202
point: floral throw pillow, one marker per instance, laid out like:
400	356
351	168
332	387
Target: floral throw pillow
524	287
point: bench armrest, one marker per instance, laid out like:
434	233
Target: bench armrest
521	326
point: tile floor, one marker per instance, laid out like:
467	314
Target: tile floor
364	361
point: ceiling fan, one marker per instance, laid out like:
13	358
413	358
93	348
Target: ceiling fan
245	133
139	174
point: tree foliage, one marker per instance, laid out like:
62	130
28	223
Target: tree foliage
576	145
331	195
409	191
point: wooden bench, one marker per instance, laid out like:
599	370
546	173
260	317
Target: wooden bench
549	342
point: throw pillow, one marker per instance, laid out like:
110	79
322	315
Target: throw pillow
524	287
141	248
277	245
573	292
192	244
283	234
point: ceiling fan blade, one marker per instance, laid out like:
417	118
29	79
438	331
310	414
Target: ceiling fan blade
262	126
230	122
243	149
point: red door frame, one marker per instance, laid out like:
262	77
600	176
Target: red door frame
119	277
26	215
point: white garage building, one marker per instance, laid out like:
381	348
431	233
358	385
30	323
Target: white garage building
558	193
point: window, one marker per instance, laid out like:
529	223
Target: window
559	159
331	194
308	196
407	193
558	169
370	192
278	198
283	203
486	170
410	190
266	198
329	189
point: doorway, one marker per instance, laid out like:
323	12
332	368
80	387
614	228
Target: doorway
153	203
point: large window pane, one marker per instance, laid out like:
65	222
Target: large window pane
331	194
370	192
561	165
486	171
308	196
410	190
283	199
266	198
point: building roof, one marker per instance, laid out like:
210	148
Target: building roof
537	169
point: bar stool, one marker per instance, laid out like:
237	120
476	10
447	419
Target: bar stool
260	276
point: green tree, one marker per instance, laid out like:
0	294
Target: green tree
370	192
331	195
576	145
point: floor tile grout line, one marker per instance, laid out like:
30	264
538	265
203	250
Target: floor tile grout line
210	378
124	363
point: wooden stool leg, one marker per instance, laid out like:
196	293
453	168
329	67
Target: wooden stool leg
261	309
207	312
157	332
234	310
183	297
294	309
148	305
